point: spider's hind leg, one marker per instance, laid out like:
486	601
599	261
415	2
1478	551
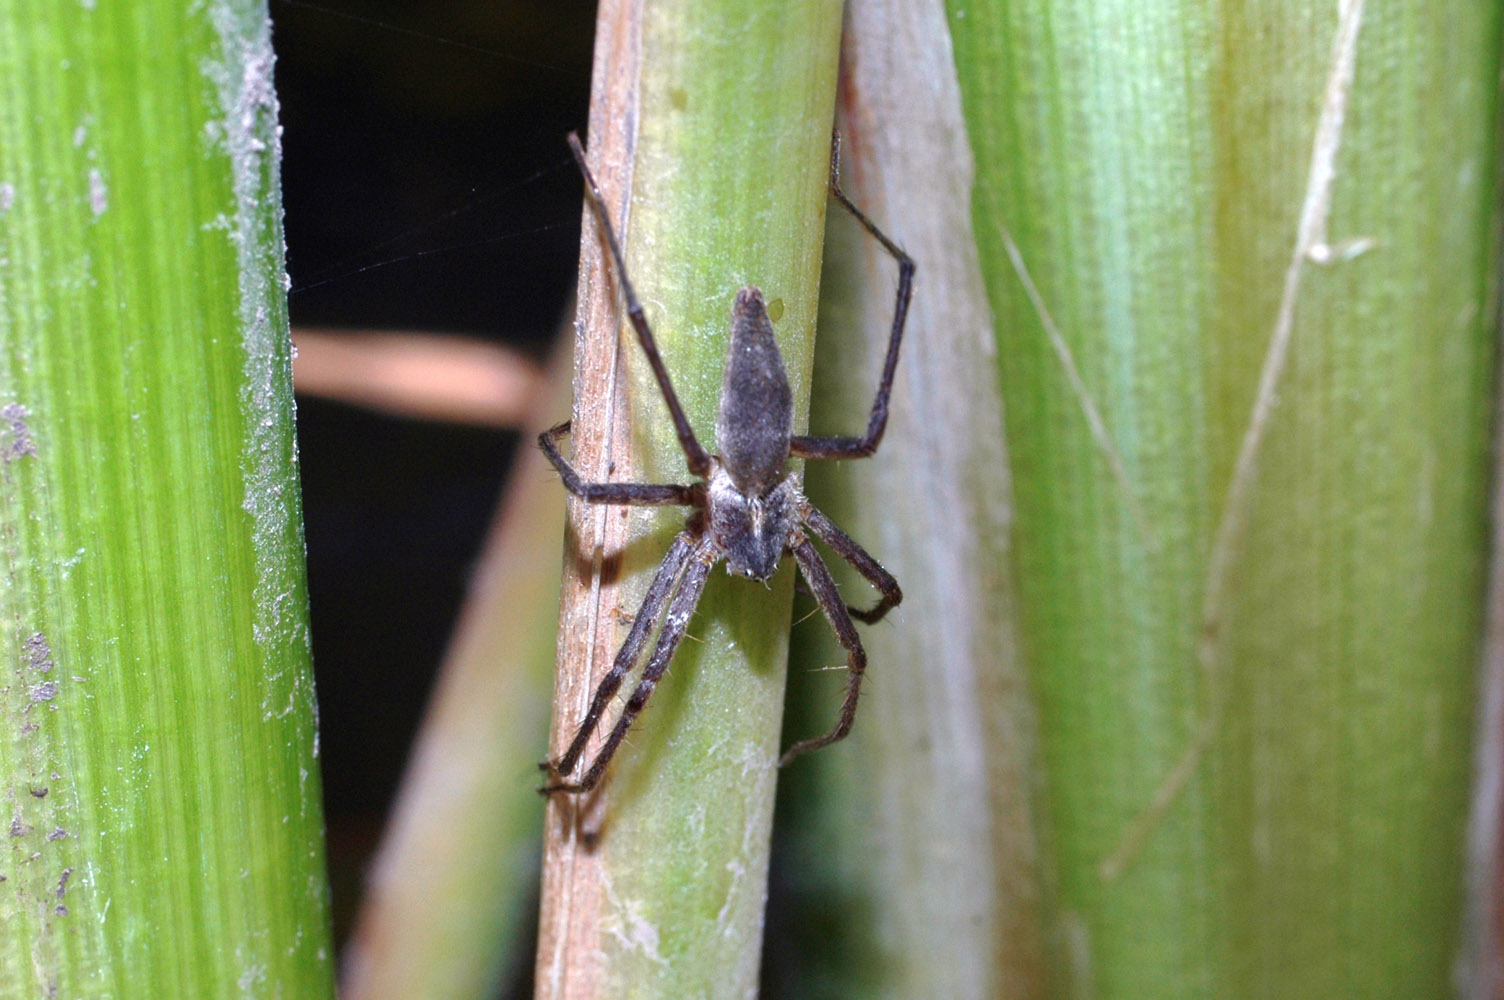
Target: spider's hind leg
694	452
860	447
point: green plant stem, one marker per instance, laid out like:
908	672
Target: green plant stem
159	751
711	120
1241	265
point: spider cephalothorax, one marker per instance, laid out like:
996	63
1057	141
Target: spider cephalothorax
747	510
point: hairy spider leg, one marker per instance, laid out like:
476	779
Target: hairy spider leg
675	621
668	494
829	599
802	446
652	603
694	453
847	548
626	657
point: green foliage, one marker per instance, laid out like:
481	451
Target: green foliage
158	745
1252	595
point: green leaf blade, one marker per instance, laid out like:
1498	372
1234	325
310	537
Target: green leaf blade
153	531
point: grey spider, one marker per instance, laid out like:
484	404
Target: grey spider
745	509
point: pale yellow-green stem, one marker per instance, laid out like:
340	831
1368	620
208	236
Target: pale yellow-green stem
710	131
925	820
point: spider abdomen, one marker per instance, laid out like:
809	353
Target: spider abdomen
752	530
757	407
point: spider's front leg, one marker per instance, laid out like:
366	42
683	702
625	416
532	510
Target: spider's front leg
846	547
829	599
642	627
700	558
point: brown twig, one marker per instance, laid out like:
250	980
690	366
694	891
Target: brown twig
570	904
427	376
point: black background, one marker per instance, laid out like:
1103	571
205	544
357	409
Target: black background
427	187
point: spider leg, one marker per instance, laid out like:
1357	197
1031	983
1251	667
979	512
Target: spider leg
824	587
631	648
854	447
675	621
621	493
846	547
694	453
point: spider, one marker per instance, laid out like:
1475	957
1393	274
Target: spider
745	509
